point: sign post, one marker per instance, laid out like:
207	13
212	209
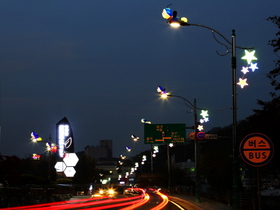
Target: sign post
256	149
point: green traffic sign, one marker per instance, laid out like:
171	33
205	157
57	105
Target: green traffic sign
164	133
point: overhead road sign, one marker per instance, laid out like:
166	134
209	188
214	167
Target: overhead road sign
164	133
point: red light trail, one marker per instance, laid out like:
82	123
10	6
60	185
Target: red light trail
104	202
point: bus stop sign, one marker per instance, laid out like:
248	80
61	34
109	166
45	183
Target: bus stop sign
256	149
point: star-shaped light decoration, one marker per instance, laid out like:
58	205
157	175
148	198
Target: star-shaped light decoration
242	82
200	127
206	119
204	113
249	56
244	70
253	66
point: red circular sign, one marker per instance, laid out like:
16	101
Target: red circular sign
191	135
200	135
256	149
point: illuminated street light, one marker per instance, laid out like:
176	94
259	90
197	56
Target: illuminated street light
196	127
50	147
144	121
172	19
36	156
135	138
122	157
35	137
128	149
155	151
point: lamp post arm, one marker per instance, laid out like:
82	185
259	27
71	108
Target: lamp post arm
217	32
186	100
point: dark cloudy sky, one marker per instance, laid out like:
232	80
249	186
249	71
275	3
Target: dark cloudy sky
98	63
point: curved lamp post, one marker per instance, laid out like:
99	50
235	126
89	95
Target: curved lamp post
175	21
50	147
193	106
145	121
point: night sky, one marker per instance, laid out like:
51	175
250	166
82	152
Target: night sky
98	63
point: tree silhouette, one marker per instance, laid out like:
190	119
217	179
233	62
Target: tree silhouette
274	74
9	170
266	120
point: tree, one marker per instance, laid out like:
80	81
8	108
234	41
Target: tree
274	74
266	120
9	170
216	164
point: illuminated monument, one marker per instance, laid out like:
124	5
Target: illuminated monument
64	137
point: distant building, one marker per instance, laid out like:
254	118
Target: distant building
108	166
103	150
103	155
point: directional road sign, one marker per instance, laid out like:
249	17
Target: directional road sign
256	149
164	133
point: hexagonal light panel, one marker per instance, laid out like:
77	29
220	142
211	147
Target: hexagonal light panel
69	172
70	159
60	166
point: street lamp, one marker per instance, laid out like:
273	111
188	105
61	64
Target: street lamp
176	21
143	158
50	147
196	127
135	138
145	121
